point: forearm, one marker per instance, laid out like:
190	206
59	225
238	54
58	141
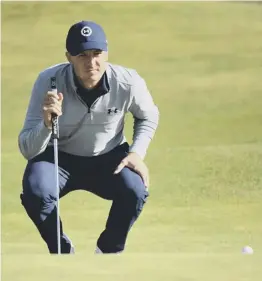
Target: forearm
33	141
144	131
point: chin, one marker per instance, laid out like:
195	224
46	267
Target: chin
95	76
88	75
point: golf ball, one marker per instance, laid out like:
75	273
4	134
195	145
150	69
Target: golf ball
247	250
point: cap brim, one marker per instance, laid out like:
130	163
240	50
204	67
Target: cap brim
90	46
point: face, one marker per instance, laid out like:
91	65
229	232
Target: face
89	66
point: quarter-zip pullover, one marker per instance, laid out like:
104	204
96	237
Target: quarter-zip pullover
91	128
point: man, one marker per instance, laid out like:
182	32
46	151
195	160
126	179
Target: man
92	99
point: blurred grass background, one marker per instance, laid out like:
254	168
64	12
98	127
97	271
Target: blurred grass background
202	63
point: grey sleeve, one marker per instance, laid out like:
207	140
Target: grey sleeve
146	116
34	135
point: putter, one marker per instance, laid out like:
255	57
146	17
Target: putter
55	137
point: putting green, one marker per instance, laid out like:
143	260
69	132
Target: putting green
202	63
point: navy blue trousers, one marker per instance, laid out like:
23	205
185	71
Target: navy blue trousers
93	174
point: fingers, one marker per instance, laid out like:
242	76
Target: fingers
52	105
53	94
53	97
60	97
145	177
53	101
140	169
123	163
52	109
146	181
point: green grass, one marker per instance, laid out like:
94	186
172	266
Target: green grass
184	267
202	63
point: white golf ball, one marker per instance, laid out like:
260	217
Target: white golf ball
247	250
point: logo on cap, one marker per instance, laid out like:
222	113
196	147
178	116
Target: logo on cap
86	31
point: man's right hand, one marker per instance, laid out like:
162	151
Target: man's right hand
52	104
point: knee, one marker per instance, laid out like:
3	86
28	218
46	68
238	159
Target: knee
36	182
38	196
31	203
133	188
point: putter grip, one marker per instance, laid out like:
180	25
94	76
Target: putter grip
55	128
54	118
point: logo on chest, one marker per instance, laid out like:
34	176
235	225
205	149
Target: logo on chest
112	111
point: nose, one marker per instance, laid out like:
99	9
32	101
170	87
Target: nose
89	61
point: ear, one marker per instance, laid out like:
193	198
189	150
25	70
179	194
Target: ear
68	56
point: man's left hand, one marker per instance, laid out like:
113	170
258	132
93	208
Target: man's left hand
135	162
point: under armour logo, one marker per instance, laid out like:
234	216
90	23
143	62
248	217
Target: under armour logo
112	110
86	31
